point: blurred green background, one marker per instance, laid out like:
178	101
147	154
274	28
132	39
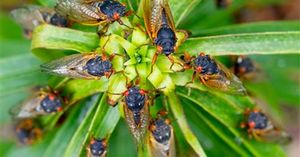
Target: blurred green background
279	93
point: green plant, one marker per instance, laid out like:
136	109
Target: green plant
205	121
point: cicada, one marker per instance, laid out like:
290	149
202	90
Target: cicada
161	138
223	3
32	16
81	66
262	128
213	74
244	68
92	12
28	131
97	148
160	27
42	102
136	109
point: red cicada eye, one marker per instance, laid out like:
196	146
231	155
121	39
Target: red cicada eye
126	93
251	124
143	92
199	69
116	16
52	97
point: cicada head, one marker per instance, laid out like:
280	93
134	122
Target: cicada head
97	148
205	65
161	138
223	3
165	40
58	20
28	131
244	68
161	131
51	103
114	10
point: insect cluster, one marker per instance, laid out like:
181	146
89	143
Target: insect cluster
136	99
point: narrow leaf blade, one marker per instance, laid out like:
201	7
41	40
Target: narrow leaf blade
243	44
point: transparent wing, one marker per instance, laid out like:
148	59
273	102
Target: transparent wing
79	11
70	66
155	11
275	136
28	17
272	133
28	108
169	15
147	6
225	81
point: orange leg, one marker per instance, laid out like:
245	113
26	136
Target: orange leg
153	62
193	78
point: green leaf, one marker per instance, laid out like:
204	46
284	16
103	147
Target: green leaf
100	122
228	111
52	37
7	23
79	89
63	136
129	47
19	71
211	132
80	136
255	27
178	113
35	150
180	9
124	147
279	78
243	44
207	16
48	3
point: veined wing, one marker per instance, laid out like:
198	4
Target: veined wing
78	11
73	66
28	108
156	13
29	17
